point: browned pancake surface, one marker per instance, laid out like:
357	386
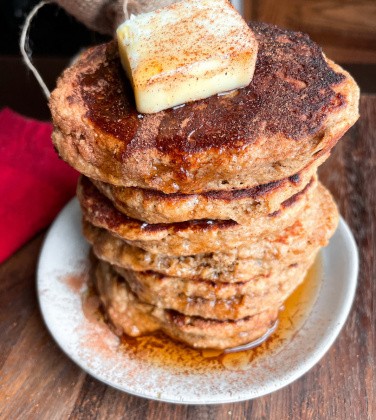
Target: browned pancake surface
190	237
291	93
131	316
295	109
243	206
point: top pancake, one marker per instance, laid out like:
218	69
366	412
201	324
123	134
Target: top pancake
295	109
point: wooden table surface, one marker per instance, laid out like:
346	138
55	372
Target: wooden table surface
38	381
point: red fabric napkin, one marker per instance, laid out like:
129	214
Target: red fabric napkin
34	183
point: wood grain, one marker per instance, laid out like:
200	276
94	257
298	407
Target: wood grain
346	29
37	381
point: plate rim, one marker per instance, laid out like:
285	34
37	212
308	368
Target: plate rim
315	356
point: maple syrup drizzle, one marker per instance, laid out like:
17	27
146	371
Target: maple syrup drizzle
160	350
254	343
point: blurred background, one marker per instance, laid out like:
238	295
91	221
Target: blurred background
346	30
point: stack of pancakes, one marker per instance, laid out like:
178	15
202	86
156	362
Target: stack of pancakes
204	218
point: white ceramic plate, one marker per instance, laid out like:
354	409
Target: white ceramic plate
96	350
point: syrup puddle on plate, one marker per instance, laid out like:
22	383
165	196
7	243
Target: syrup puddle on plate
159	350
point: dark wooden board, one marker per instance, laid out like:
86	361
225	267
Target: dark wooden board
346	29
38	381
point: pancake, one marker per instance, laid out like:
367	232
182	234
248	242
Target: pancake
208	299
242	206
265	257
294	111
133	317
191	237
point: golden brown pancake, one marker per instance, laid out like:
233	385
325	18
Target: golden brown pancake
295	109
309	232
191	237
242	206
222	301
133	317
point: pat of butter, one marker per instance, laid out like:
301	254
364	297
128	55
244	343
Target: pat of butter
187	51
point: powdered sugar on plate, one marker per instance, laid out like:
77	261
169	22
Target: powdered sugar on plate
71	314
